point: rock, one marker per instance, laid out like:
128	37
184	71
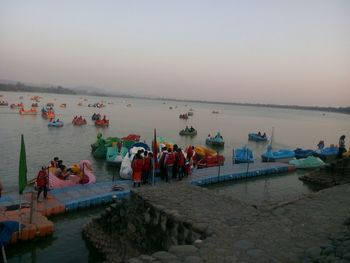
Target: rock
146	258
255	253
183	251
328	251
243	244
164	256
313	252
346	256
193	259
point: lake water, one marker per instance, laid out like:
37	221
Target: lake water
292	128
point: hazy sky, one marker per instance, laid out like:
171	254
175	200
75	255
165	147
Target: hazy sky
284	52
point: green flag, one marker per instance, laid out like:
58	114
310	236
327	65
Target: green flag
22	178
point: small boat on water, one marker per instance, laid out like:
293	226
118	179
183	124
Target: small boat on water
132	137
242	155
99	148
102	123
215	112
50	104
96	117
32	111
82	174
190	113
4	103
56	123
63	105
282	155
183	116
327	154
217	140
210	161
309	162
303	153
256	137
79	121
16	106
34	105
188	131
202	151
114	156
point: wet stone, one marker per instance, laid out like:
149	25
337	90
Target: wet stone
164	256
243	244
255	253
193	259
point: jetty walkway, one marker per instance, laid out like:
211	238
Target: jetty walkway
83	196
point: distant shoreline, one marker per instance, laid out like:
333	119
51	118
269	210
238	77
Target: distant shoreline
19	87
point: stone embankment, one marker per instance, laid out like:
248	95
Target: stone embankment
182	223
335	173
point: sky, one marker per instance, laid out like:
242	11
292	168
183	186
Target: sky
293	52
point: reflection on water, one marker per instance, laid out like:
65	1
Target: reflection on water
268	189
65	245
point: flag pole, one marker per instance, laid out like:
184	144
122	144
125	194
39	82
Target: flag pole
3	254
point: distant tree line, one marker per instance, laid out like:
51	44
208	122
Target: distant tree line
26	88
60	90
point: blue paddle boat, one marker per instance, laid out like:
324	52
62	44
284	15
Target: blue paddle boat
256	137
302	153
242	155
328	153
55	124
282	155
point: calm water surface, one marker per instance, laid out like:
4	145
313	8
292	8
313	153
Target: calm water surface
293	128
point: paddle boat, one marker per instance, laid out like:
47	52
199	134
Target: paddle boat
309	162
96	117
242	155
217	140
188	131
63	105
256	137
32	111
50	104
79	121
56	123
132	137
16	106
202	151
210	161
99	148
82	174
183	116
114	156
282	155
190	113
35	105
4	103
302	153
102	123
327	154
215	112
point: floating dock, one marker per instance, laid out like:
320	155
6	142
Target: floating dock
230	172
83	196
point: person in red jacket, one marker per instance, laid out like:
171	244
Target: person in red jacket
137	165
42	181
146	169
180	163
169	163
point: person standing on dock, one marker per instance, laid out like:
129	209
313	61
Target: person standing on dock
42	182
169	163
162	167
342	148
137	165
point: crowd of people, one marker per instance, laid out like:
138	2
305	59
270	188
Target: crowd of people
172	164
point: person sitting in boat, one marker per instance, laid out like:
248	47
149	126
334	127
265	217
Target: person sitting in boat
58	120
191	129
320	145
264	135
259	133
75	118
186	129
341	148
